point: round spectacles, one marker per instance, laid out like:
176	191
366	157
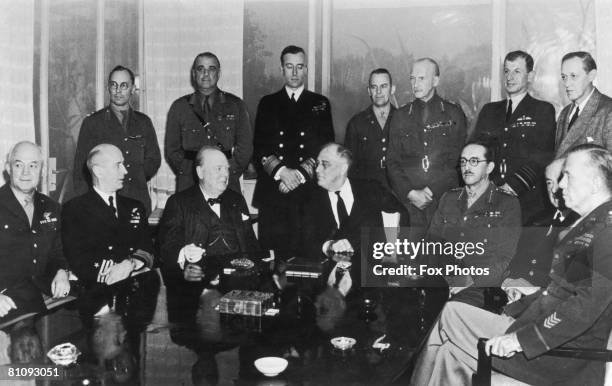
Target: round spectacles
472	161
114	86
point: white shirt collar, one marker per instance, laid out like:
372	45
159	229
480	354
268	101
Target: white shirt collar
516	99
216	207
346	192
105	196
297	92
583	103
21	196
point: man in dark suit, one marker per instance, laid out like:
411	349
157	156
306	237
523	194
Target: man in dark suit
291	126
367	133
31	256
523	128
575	310
588	119
340	208
107	242
205	220
207	117
130	130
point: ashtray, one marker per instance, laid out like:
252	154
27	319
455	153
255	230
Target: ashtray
242	263
271	366
343	343
64	354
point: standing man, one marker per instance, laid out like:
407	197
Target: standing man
209	117
291	126
31	256
574	310
425	140
367	133
588	119
106	240
478	213
524	129
129	130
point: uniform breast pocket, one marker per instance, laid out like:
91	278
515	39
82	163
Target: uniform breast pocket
136	149
409	142
442	135
227	122
192	138
520	143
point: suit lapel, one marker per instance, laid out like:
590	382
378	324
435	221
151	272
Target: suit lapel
10	202
577	131
101	210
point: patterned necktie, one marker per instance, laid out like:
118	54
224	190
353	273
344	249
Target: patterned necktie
509	111
206	107
341	209
293	98
112	205
28	206
574	117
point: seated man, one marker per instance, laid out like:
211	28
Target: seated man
205	220
575	310
339	208
31	257
479	212
106	240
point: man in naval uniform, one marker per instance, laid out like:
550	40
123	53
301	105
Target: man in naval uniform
130	130
209	117
524	129
425	140
290	128
367	133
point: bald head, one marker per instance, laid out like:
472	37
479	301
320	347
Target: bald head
105	163
24	166
212	170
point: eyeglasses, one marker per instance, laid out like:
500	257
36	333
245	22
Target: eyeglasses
114	86
203	70
472	161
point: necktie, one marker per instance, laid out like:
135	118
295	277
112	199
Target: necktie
293	98
425	113
112	205
206	107
213	201
574	117
341	208
29	208
509	111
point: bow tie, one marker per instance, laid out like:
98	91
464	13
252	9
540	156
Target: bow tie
213	201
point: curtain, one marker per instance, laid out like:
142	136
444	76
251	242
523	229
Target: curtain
174	33
16	75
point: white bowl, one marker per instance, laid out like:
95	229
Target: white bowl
271	366
343	342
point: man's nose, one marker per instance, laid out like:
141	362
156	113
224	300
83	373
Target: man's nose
294	71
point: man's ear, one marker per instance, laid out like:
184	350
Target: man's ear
592	75
490	167
200	172
436	81
530	76
392	89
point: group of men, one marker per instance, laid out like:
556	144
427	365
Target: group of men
314	197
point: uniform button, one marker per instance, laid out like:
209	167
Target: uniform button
130	179
208	136
505	129
127	152
302	133
530	273
301	159
34	261
505	145
5	226
384	149
545	292
552	271
556	255
485	240
110	247
34	231
462	234
488	225
280	145
384	140
35	245
127	166
125	139
301	146
425	143
464	218
534	261
131	249
281	133
280	158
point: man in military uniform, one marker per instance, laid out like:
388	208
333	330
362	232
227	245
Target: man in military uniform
367	133
575	310
477	213
290	128
211	117
129	130
524	130
31	256
106	241
425	140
